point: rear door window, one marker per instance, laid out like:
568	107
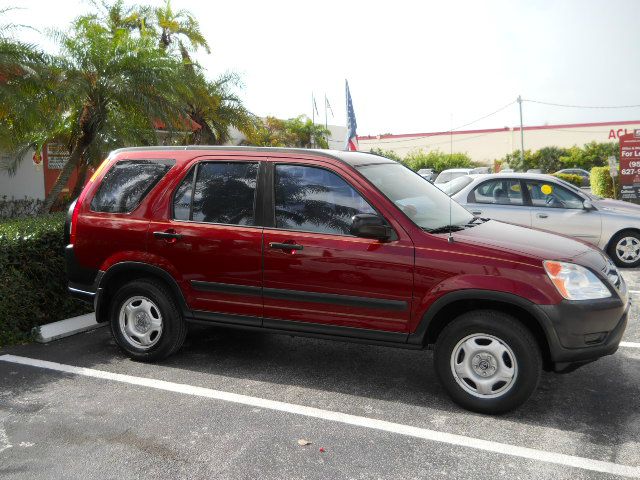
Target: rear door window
127	183
224	193
502	191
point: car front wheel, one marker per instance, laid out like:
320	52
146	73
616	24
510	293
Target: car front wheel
488	361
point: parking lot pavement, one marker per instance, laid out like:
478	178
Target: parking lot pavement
234	404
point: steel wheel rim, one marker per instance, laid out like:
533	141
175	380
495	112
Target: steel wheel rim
140	322
628	249
484	366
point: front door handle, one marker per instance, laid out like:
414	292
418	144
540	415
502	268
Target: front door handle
543	215
477	212
170	236
285	246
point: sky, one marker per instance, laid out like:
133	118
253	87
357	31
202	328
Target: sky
412	66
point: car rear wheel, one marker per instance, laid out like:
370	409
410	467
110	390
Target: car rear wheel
624	249
145	320
488	361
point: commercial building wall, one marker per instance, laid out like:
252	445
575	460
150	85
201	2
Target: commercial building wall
488	145
28	181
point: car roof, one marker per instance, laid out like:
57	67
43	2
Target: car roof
454	170
351	158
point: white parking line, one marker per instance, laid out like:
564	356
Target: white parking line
423	433
630	344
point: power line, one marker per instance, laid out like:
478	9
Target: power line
579	106
448	131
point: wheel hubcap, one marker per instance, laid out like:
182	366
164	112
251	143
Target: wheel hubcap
140	322
484	365
628	249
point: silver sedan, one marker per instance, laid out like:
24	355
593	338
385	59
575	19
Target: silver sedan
548	203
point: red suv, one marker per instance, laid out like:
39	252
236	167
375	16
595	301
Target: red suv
338	245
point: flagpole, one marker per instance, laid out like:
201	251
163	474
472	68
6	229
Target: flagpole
313	117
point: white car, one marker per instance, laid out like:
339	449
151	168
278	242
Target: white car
549	203
451	173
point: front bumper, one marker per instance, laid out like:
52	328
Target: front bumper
580	332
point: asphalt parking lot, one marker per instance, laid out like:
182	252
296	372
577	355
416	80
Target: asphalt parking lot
235	404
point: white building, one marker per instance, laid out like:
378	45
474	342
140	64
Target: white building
488	145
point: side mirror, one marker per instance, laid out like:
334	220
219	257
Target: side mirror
367	225
587	205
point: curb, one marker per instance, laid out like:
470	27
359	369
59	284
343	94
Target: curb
65	328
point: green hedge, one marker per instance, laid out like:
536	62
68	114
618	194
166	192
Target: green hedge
601	183
33	282
568	177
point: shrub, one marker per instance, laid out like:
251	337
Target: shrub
601	183
23	207
437	160
569	177
32	276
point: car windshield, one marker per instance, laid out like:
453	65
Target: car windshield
455	185
425	204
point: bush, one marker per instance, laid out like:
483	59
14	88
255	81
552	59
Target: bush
437	160
15	208
33	280
569	177
601	183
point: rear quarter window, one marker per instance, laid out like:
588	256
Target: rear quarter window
127	183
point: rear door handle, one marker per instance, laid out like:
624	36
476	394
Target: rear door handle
285	246
477	212
543	215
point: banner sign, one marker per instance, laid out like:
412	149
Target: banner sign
630	166
58	156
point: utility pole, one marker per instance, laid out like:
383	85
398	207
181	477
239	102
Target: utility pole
521	132
313	118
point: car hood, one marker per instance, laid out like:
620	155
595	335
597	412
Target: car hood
532	243
617	206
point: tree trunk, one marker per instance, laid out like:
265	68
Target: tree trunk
76	154
205	135
80	179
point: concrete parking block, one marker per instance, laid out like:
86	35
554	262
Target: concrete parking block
66	328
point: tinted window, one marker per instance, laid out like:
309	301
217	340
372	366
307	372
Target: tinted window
126	184
225	193
552	195
182	198
315	200
499	192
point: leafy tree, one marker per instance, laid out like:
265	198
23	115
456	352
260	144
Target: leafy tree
96	76
548	159
591	155
211	104
513	160
298	132
437	160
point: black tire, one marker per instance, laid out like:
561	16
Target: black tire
507	331
174	327
611	250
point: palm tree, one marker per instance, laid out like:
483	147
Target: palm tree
113	85
210	104
179	25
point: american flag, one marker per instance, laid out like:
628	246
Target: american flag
352	125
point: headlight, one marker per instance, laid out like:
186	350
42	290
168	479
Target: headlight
575	282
